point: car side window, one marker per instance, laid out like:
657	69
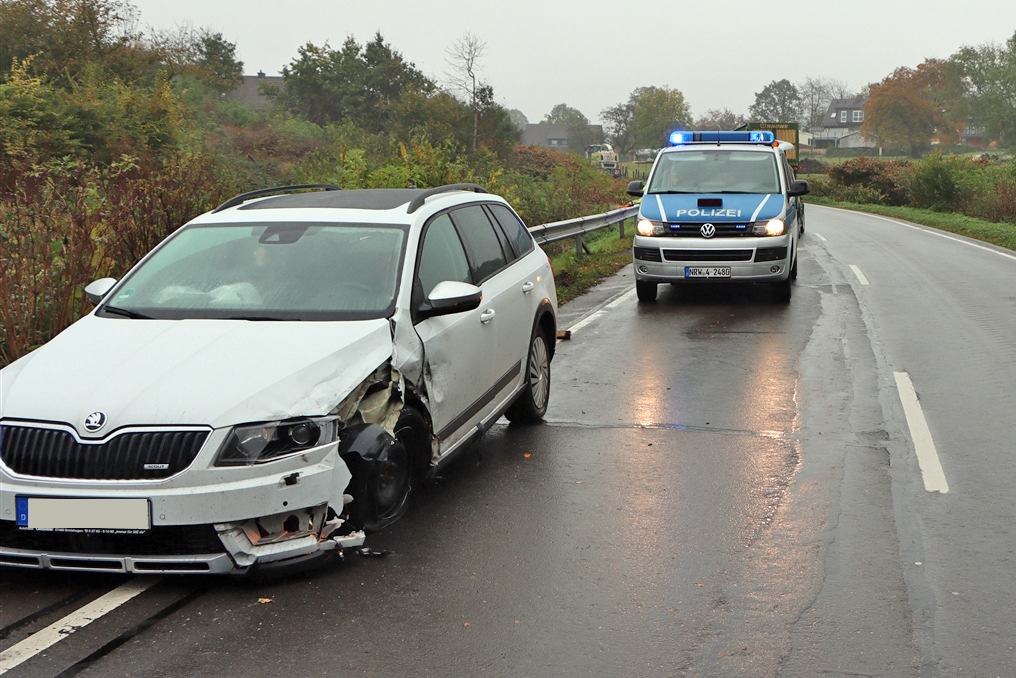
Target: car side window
482	242
442	256
518	235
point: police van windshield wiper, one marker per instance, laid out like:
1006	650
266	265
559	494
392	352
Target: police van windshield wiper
670	192
115	310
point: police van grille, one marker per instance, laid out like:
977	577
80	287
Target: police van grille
707	255
770	253
685	230
52	453
648	254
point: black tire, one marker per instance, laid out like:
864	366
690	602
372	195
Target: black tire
531	404
782	291
646	290
793	269
380	488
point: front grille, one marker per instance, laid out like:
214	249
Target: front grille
648	254
684	230
770	253
707	255
183	540
53	453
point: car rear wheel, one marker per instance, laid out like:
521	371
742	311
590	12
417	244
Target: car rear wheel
646	290
531	404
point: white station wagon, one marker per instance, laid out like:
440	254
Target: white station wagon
264	386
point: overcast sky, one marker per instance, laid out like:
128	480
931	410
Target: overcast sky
591	54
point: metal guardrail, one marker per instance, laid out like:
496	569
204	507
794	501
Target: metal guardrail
576	228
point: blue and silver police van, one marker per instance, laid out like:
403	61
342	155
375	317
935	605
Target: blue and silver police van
719	207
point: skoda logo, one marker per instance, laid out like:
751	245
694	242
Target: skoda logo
95	421
707	230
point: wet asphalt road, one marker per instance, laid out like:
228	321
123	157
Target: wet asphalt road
724	487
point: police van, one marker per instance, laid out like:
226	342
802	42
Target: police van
719	207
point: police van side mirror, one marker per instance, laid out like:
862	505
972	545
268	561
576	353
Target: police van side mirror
636	188
798	187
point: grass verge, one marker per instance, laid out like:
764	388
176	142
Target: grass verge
1001	234
609	253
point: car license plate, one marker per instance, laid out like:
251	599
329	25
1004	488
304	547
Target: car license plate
121	516
707	271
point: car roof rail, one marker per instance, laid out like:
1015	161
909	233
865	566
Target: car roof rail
244	197
417	202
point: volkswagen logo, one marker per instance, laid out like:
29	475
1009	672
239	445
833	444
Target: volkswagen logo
707	230
95	421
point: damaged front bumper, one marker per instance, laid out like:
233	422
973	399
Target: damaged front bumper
204	520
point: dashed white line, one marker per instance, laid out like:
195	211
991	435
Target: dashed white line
860	276
75	621
924	445
820	237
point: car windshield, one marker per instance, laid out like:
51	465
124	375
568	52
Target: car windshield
712	170
280	271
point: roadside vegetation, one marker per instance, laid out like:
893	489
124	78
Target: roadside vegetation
972	195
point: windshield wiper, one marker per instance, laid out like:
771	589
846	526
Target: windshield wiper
672	192
127	313
255	317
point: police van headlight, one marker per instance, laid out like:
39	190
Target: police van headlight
770	227
645	227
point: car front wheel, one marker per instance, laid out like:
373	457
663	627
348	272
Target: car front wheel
531	404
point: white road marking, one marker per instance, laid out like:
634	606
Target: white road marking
75	621
860	276
589	319
820	237
924	445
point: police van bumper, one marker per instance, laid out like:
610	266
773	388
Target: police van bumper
674	260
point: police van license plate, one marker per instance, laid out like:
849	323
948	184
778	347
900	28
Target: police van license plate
121	516
707	271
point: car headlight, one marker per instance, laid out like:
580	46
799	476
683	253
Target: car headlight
646	227
771	227
262	442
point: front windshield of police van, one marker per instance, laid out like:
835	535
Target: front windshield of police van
292	271
713	170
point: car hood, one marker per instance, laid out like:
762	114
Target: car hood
191	372
717	207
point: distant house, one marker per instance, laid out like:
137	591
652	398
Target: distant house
249	91
841	125
555	136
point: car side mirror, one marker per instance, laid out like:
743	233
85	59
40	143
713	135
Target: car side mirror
636	188
97	289
798	187
449	297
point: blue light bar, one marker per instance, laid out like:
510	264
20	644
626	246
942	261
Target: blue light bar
741	136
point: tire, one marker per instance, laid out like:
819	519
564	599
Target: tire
380	488
793	269
783	290
531	404
646	290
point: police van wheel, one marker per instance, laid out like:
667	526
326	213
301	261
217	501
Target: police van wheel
783	290
646	290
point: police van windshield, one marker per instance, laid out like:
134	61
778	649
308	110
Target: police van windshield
712	170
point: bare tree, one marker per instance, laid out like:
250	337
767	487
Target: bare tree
463	58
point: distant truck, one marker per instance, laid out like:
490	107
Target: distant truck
784	131
604	158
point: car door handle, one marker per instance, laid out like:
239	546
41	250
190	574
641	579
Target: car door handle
487	316
528	286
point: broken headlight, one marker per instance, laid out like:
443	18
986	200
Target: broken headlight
258	443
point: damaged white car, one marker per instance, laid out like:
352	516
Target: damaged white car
265	386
